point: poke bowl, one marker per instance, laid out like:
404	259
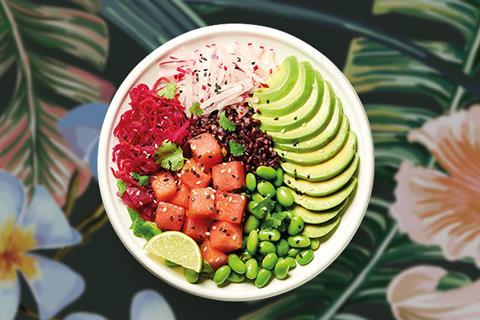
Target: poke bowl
235	162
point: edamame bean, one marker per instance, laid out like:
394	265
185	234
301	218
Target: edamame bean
282	248
251	182
236	264
170	264
314	243
266	172
305	257
298	241
290	215
296	226
279	178
262	278
236	278
257	197
269	261
266	247
281	269
252	268
252	223
246	256
292	252
269	235
251	206
191	275
222	274
291	261
285	197
252	242
266	188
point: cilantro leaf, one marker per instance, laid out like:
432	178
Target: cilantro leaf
207	269
122	187
142	180
226	124
195	109
142	228
236	149
263	207
170	156
168	92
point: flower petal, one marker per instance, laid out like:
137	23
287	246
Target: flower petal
84	316
12	196
54	287
436	209
412	295
81	127
147	303
10	298
51	227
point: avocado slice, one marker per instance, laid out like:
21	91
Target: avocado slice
296	118
318	217
318	231
323	188
280	82
328	169
297	97
327	202
315	125
320	155
319	140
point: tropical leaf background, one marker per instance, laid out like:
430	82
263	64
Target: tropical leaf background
410	60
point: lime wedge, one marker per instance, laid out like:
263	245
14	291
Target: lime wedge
176	247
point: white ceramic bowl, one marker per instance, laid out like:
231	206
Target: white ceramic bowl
284	44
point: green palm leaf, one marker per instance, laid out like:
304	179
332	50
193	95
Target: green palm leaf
32	37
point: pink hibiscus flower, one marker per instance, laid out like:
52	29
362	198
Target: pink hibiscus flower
443	208
412	296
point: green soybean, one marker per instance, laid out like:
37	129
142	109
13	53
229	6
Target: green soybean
292	252
190	275
290	215
252	242
282	248
266	172
285	197
245	256
236	278
291	261
170	264
278	178
222	274
281	269
269	261
257	197
296	226
269	235
252	223
263	277
266	188
298	241
236	263
266	247
314	243
251	206
305	257
252	268
251	182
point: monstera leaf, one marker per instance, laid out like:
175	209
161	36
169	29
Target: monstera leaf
33	37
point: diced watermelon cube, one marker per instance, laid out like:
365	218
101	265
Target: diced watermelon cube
182	197
228	176
197	227
206	150
169	216
230	207
214	257
202	202
164	185
226	236
194	175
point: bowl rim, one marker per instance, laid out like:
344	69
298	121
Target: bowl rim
107	129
